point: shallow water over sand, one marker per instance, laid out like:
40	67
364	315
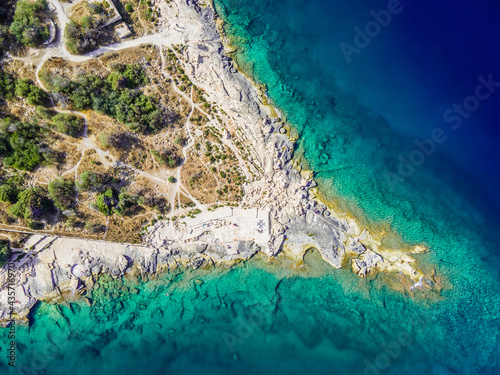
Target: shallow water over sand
355	120
255	318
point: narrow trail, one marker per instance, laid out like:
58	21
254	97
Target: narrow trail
162	39
184	154
187	125
227	142
174	86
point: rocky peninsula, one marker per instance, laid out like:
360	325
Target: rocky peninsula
280	211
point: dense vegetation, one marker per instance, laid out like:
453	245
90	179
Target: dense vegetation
84	35
34	95
108	202
9	190
5	251
31	204
12	88
7	8
20	144
68	124
131	76
89	181
62	192
7	86
25	203
4	38
28	27
116	96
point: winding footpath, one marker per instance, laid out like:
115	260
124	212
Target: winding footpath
160	39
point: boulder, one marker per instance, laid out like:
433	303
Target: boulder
364	264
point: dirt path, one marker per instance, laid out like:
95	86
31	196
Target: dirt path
185	154
161	39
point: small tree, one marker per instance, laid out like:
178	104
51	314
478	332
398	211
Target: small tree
89	181
69	124
34	95
27	26
5	252
135	75
105	202
125	203
62	192
7	85
20	144
116	80
8	193
31	203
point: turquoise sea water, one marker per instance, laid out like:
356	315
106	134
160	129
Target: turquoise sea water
358	113
355	119
252	319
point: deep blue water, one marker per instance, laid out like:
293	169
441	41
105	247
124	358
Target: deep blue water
425	60
355	119
366	117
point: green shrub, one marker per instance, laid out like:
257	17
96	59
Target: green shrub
4	38
19	144
44	113
131	76
108	204
62	192
82	36
173	161
34	95
69	124
135	75
31	203
89	181
5	252
7	85
8	193
105	202
158	157
96	8
125	202
27	26
171	179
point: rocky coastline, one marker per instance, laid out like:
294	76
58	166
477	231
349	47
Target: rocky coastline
289	215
